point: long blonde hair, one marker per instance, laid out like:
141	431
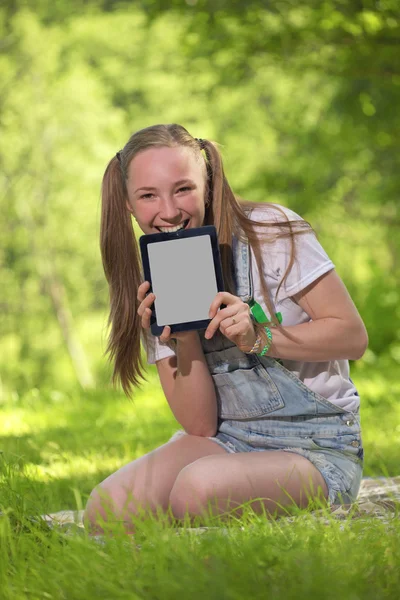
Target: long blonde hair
120	251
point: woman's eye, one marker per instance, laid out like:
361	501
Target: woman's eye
184	188
146	196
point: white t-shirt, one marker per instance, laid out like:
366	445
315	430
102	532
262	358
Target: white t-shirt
330	379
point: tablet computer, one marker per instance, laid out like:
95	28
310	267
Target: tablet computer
185	274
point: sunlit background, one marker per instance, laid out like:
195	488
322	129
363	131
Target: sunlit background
303	98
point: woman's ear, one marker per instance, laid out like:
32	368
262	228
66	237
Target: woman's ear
130	209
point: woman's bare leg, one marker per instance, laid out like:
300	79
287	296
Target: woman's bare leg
271	481
146	482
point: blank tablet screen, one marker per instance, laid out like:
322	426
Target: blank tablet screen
183	279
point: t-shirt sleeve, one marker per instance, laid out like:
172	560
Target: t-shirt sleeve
311	260
155	349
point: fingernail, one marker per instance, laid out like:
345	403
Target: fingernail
207	335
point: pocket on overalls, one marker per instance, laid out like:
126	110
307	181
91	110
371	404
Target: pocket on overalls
323	405
246	394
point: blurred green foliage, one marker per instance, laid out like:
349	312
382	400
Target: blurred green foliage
302	96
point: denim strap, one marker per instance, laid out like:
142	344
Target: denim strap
242	270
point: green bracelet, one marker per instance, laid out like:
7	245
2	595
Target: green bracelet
258	313
260	316
268	344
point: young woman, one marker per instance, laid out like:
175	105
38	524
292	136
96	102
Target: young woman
268	410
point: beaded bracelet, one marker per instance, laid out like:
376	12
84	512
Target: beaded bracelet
256	346
268	344
259	316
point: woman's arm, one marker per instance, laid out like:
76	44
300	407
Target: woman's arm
335	332
185	378
189	388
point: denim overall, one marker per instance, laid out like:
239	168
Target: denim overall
263	406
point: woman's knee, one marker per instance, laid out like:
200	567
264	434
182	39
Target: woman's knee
145	485
102	502
190	493
129	491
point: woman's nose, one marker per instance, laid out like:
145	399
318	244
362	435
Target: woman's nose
168	209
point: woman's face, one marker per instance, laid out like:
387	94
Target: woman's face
166	189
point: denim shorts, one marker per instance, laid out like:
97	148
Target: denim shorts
341	473
263	407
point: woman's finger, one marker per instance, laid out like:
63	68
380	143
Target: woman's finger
222	298
233	326
142	290
147	302
226	314
146	318
164	337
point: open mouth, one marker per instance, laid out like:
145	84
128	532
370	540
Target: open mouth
182	225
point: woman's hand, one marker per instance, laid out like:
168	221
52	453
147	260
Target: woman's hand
144	311
234	321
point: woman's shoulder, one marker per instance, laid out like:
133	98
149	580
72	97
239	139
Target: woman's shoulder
271	221
271	212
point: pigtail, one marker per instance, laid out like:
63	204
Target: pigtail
120	256
222	209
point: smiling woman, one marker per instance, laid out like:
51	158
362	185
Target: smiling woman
268	409
176	199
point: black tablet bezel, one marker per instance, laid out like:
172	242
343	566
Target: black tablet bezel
153	238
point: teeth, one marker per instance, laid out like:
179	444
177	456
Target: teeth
172	229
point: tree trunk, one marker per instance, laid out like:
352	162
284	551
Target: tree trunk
78	357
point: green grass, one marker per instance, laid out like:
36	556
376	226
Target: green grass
258	559
56	446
